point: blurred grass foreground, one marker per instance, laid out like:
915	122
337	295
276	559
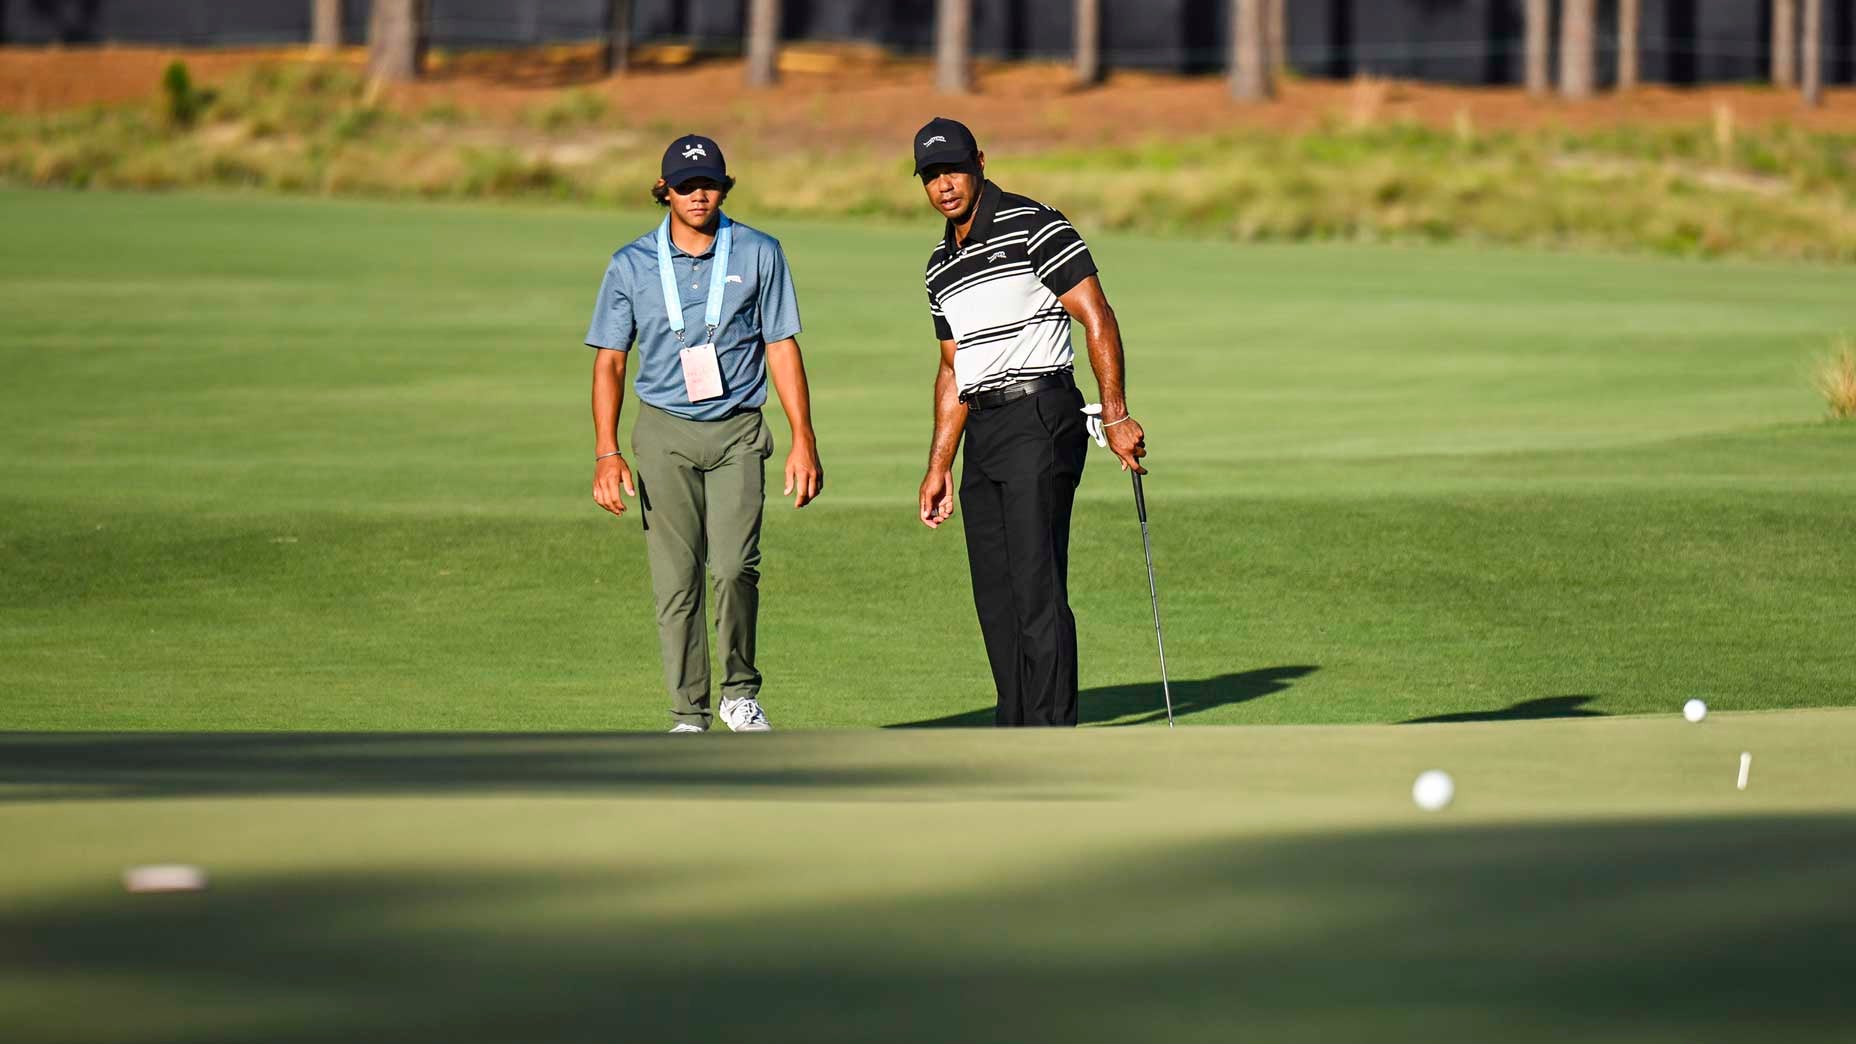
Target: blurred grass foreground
1597	880
1713	188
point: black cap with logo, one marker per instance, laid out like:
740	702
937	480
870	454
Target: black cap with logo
693	156
945	141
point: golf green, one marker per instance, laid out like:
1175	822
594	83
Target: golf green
278	466
298	464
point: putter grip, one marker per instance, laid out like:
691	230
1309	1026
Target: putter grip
1140	498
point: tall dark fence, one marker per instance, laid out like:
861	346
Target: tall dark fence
1452	41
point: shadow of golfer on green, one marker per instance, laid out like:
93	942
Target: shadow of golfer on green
1142	704
1526	710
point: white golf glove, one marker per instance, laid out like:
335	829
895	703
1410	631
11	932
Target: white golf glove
1093	424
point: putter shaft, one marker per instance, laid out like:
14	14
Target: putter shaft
1153	593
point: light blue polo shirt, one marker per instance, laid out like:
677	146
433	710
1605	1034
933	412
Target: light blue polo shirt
758	307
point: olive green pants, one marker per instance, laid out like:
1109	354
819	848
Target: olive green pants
702	484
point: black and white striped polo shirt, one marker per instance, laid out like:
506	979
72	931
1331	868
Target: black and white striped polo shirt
996	295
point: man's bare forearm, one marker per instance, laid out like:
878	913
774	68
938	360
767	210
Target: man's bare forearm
950	419
1088	305
788	369
608	399
1105	358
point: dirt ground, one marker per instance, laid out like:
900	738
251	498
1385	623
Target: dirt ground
834	97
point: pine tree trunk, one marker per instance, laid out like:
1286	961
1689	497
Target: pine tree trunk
953	46
1785	43
394	36
1577	53
326	25
1250	28
1812	51
1630	25
1539	45
1279	38
1088	42
618	36
763	42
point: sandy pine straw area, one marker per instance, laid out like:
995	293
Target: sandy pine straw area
839	95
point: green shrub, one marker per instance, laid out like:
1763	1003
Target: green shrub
183	102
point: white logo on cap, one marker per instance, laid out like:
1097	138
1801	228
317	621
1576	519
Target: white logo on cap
694	151
934	139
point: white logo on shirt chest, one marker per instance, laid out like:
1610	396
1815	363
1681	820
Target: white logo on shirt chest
997	255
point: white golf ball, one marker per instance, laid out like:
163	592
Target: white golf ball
1694	710
1434	790
172	877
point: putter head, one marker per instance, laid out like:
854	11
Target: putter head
1093	424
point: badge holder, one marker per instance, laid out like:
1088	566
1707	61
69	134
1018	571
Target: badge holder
702	370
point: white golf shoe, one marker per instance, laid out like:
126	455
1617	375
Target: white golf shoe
686	726
744	715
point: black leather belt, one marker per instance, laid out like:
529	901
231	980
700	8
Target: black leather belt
993	398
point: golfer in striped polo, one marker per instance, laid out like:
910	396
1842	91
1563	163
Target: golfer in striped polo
1004	282
710	304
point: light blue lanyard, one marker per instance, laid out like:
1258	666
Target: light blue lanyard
718	278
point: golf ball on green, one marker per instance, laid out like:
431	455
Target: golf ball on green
1433	791
171	877
1694	710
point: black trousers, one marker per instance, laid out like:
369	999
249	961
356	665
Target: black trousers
1023	462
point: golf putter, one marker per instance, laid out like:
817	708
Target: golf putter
1098	431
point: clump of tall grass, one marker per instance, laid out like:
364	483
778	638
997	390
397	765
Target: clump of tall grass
295	100
568	111
1835	378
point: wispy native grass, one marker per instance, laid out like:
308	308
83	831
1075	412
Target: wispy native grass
1836	379
1709	190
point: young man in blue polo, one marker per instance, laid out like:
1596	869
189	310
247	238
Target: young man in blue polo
1003	285
710	305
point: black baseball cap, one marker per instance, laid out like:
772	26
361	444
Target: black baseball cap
693	156
944	141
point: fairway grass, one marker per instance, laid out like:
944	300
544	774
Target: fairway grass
296	464
1597	879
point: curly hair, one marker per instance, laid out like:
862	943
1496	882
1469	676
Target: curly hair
661	192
